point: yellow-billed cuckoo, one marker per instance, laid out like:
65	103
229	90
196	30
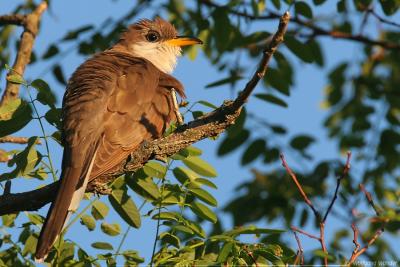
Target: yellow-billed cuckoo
114	101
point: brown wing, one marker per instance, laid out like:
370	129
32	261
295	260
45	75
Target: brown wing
139	109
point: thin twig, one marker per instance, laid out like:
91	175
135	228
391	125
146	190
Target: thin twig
294	228
16	140
159	212
322	242
299	187
250	254
383	20
355	238
339	179
31	28
300	250
316	30
358	252
370	200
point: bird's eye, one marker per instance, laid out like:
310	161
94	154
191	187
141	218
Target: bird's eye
152	36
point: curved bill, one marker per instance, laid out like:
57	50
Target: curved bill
184	41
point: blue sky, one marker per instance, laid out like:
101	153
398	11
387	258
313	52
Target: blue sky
304	114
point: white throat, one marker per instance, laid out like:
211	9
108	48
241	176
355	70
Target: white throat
162	55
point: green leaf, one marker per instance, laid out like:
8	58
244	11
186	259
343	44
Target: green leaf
303	9
272	99
18	120
170	239
25	161
203	212
204	196
45	95
196	227
230	143
299	49
8	108
184	175
102	245
155	169
8	220
74	34
112	229
36	219
132	255
53	116
222	28
200	166
206	182
229	80
30	245
253	230
125	207
183	229
16	78
321	254
207	104
59	74
168	216
192	151
51	51
316	51
99	210
144	187
225	251
279	80
88	221
301	142
224	238
253	151
389	6
318	2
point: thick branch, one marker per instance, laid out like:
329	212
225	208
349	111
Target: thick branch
208	125
31	28
316	30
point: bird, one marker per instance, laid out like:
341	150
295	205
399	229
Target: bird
114	101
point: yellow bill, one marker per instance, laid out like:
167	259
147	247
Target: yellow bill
184	41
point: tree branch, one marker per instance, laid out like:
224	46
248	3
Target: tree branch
209	125
299	187
357	251
344	173
31	28
316	30
14	19
16	140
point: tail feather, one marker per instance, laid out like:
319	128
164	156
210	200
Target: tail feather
70	193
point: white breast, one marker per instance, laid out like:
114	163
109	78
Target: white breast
162	55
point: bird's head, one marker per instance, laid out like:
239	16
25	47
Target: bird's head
157	41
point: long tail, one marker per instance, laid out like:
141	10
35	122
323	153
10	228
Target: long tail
70	193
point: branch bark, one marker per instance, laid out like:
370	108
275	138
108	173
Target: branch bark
209	125
31	28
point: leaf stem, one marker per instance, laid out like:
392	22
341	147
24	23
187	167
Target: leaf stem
44	136
159	211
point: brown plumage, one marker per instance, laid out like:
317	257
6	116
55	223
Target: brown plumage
113	102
